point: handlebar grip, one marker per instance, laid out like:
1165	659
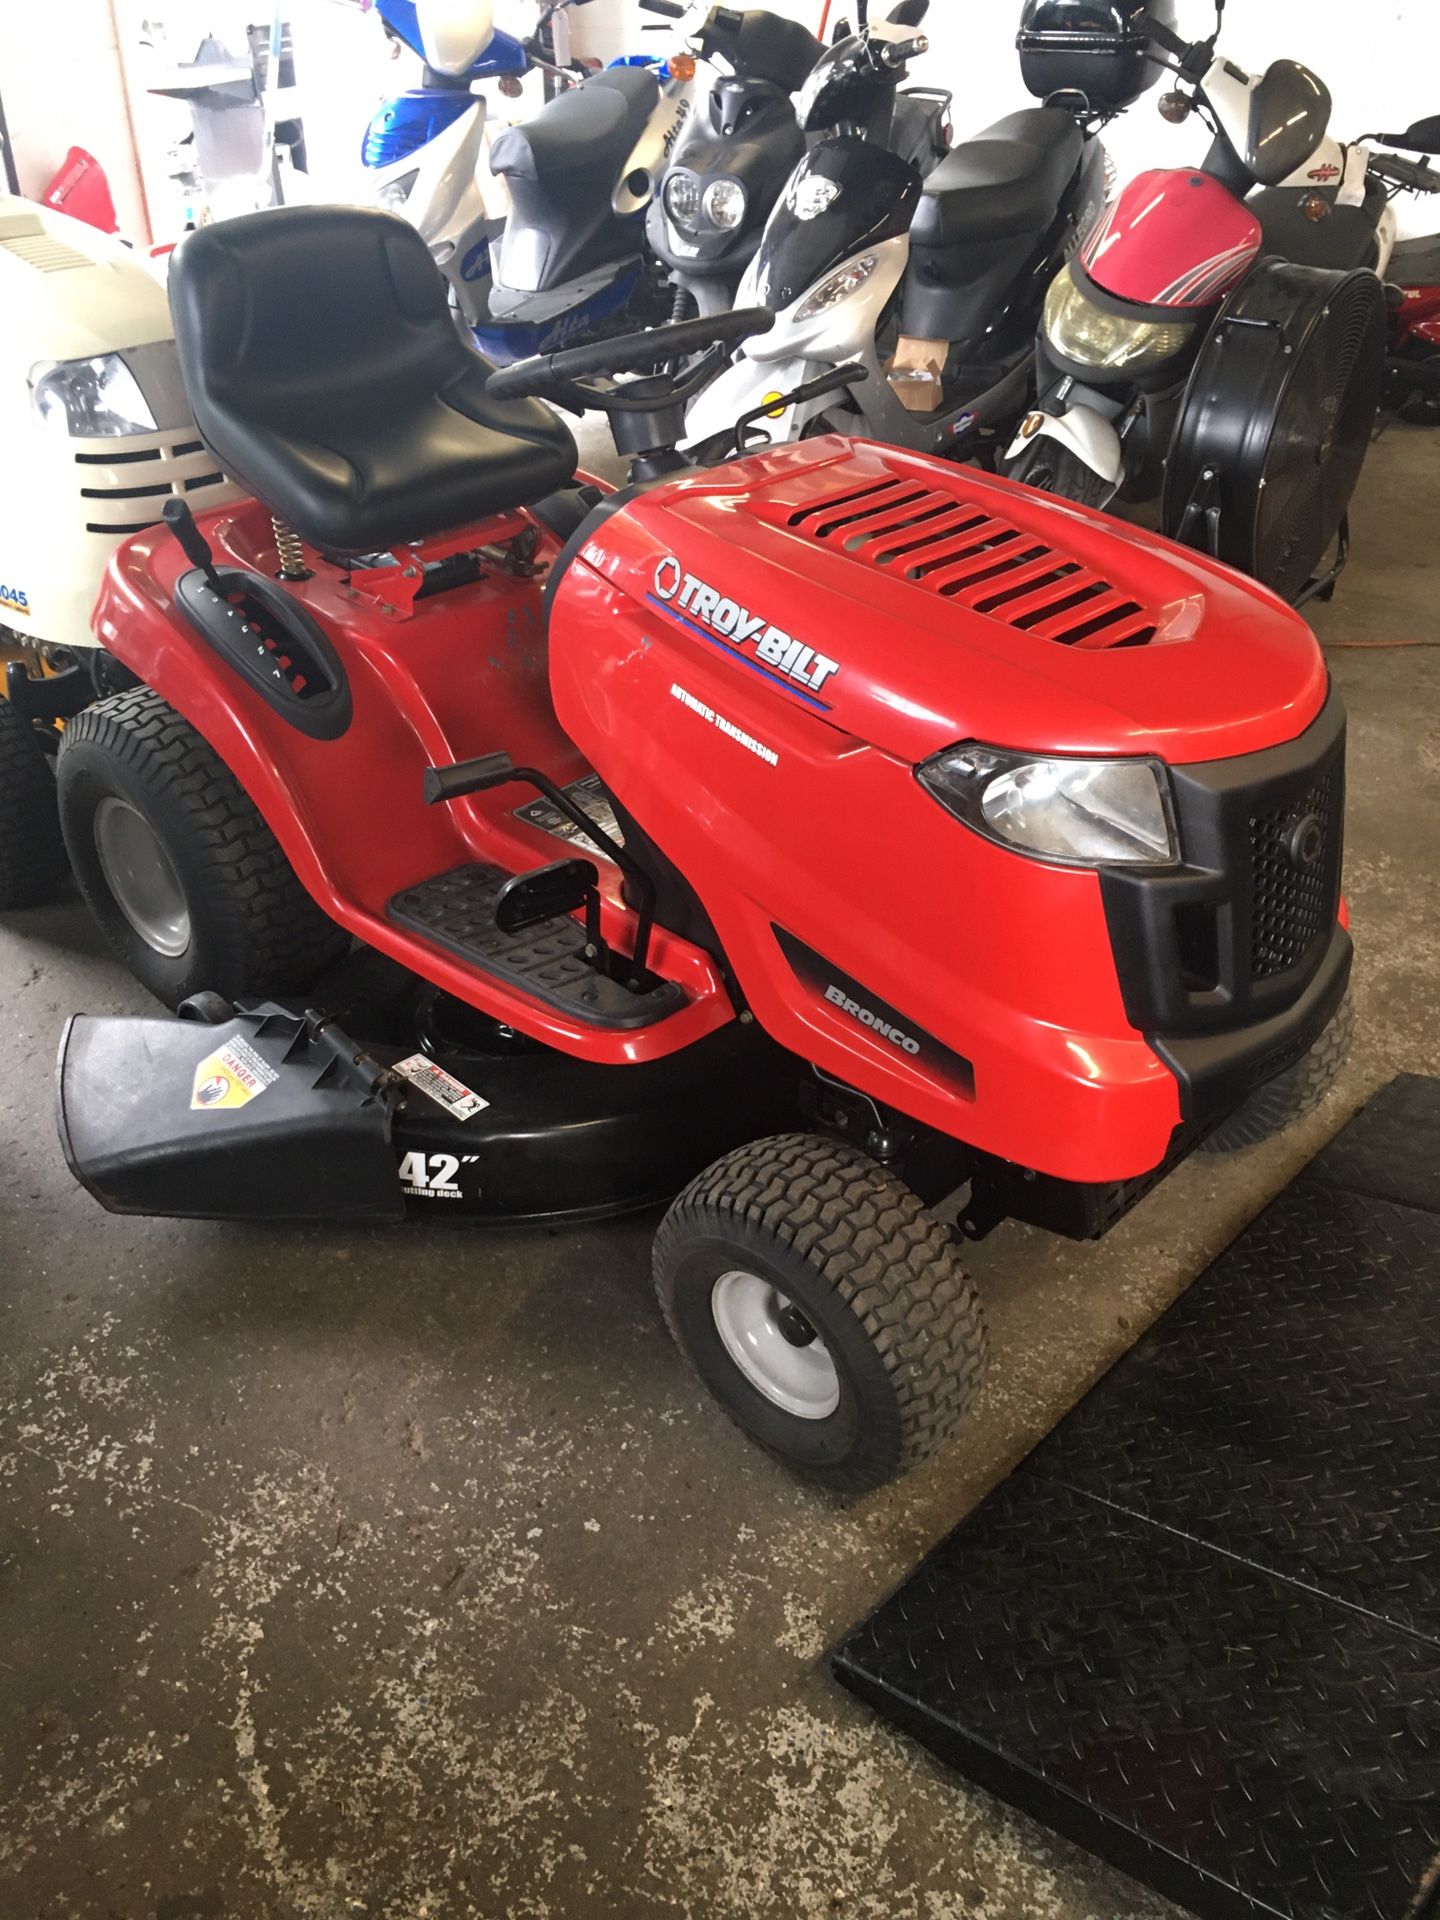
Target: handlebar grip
1162	35
1415	174
528	377
671	9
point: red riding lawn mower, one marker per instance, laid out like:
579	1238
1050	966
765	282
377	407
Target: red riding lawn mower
839	831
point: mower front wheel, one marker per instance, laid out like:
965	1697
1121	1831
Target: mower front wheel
188	883
33	867
823	1307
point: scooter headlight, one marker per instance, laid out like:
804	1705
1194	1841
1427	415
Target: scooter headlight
682	201
91	399
1079	813
724	204
1092	336
393	195
831	292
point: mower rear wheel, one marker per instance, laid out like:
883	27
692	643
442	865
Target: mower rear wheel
1292	1094
823	1307
187	881
33	867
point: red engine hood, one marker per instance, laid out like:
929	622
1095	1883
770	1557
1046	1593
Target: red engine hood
912	604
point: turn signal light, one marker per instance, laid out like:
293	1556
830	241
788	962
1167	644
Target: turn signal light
682	66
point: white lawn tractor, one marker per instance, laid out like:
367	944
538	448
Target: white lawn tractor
96	435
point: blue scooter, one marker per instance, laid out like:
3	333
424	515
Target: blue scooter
539	228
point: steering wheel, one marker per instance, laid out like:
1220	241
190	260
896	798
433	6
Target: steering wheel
560	377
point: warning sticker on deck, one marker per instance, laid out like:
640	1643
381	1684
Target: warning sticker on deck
232	1076
459	1101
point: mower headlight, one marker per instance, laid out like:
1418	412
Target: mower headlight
724	204
1091	336
1081	813
682	201
91	399
838	287
393	195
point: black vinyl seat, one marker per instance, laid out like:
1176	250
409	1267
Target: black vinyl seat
1345	238
1009	179
591	129
327	377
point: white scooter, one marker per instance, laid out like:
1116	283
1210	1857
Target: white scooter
929	288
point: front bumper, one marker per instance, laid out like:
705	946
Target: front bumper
1217	1071
1232	963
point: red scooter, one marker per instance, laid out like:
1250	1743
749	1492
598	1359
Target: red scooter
835	830
1221	348
1413	365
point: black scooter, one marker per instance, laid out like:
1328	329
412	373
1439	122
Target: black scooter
926	286
744	141
725	170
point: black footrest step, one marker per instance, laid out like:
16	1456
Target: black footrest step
457	911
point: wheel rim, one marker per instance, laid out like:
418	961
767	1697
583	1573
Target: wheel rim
140	876
774	1345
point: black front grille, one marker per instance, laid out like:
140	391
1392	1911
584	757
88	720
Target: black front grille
1233	936
1292	878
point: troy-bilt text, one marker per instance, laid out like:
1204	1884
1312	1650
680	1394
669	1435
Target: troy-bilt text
771	645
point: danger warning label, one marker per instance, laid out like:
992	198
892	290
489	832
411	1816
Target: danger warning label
232	1076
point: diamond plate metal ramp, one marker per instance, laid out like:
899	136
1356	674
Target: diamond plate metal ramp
1198	1629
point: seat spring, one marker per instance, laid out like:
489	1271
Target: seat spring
289	551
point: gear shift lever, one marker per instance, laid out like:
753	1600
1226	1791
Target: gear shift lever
181	522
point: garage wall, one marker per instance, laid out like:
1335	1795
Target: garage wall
1380	61
64	87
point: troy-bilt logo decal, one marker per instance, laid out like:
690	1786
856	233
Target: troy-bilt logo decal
838	997
770	649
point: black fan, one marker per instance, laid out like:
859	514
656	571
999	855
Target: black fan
1276	420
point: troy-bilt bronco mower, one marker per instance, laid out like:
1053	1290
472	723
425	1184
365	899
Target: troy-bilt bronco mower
836	830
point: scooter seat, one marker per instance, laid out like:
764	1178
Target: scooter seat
1008	179
591	129
326	375
1346	238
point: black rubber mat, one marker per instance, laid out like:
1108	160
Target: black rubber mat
456	910
1198	1629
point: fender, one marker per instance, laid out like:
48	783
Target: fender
348	812
1088	435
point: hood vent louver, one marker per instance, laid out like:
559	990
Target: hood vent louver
42	251
962	552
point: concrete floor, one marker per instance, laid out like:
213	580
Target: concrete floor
410	1574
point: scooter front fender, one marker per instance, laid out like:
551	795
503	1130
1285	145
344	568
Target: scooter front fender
1087	434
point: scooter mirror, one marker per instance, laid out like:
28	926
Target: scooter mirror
1422	136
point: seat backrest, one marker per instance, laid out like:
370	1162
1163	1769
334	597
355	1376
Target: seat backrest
294	307
328	378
